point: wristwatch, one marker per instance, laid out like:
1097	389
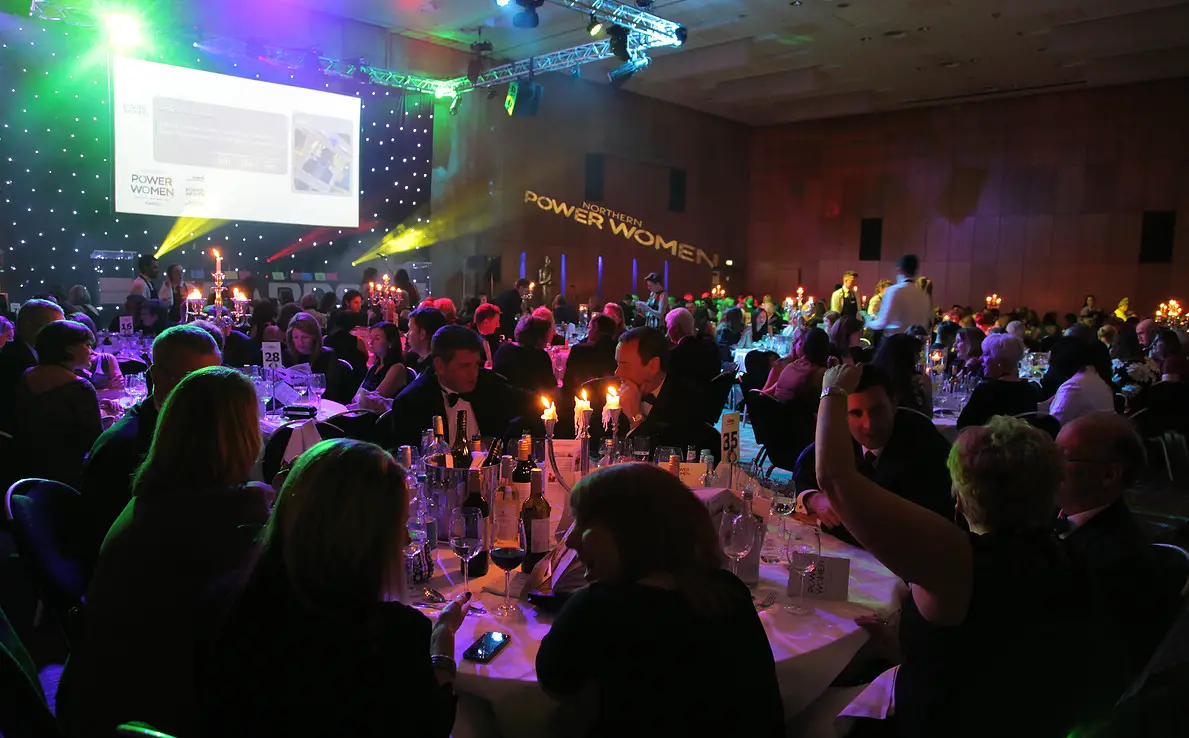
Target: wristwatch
637	419
838	391
445	663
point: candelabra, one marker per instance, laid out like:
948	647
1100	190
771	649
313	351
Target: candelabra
994	301
1170	314
388	296
194	305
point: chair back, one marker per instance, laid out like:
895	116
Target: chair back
1174	561
141	730
784	431
765	414
48	533
1164	408
23	709
717	395
132	366
1042	421
274	450
341	382
357	424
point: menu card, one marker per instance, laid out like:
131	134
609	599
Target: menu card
285	394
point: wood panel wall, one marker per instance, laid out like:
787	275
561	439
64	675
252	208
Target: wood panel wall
1039	199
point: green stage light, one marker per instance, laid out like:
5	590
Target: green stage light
123	30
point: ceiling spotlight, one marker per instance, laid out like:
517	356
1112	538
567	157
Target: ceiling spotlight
682	34
528	17
474	69
624	72
595	25
360	74
643	4
619	42
454	105
502	3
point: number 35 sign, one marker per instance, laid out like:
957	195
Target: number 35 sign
730	437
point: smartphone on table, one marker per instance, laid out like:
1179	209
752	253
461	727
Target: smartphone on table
483	650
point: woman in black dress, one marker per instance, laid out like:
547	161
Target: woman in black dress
303	345
319	644
659	598
1002	391
985	609
525	363
387	375
899	357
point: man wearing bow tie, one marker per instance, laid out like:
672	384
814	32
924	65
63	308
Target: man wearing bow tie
457	382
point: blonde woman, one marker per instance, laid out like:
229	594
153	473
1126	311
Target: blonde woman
1001	392
985	608
319	643
169	562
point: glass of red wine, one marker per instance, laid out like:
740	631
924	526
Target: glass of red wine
508	545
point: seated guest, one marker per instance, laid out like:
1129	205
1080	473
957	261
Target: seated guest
666	409
80	297
900	451
487	324
1001	392
387	375
303	346
525	363
56	412
546	314
984	608
353	301
563	312
797	378
653	593
424	323
348	335
132	305
758	365
318	643
236	348
1169	354
947	336
286	313
170	562
730	327
1104	457
446	306
615	311
693	359
593	357
898	357
1064	362
1106	335
309	305
18	353
7	332
968	352
1019	329
1127	346
264	324
456	383
118	453
1146	331
154	317
1085	392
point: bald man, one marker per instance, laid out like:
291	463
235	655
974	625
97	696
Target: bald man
1103	457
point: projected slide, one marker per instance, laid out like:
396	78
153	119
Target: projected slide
203	145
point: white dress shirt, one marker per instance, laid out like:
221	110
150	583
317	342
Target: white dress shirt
452	415
1077	520
1082	394
803	509
165	293
143	287
903	305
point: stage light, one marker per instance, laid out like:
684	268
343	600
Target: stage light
360	73
619	42
624	72
643	4
454	105
123	30
682	34
595	25
502	3
528	17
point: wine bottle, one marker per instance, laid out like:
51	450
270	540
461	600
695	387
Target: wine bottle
535	515
522	473
461	450
439	445
477	566
493	453
708	478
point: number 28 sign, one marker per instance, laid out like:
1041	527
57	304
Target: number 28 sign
730	437
271	354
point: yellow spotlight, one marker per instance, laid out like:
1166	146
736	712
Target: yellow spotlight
184	231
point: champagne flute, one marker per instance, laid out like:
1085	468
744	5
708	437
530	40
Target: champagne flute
737	534
466	537
508	545
803	551
301	384
316	383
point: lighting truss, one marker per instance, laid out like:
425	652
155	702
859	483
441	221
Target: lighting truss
654	30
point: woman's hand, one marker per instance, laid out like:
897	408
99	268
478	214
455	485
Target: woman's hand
844	376
454	612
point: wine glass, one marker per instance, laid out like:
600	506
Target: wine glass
301	384
783	505
803	551
136	388
663	453
263	391
466	537
642	448
316	383
737	533
508	544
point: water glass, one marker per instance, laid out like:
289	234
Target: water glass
466	537
317	386
301	384
783	505
263	392
803	551
737	534
642	449
136	387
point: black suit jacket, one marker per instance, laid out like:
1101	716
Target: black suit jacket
15	358
912	465
676	419
1141	600
588	361
509	303
107	477
494	402
695	360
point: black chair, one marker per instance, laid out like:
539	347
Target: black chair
1042	421
341	382
132	366
141	730
1174	563
23	709
1164	418
783	432
274	450
717	396
357	424
46	523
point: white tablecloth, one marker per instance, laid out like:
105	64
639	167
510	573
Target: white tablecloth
810	652
326	410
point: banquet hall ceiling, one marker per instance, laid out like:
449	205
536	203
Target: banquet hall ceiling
771	61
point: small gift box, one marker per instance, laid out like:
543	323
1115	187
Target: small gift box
419	568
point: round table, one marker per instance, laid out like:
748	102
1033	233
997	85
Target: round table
948	425
503	697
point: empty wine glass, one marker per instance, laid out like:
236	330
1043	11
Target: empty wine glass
301	384
508	545
803	551
134	385
783	505
466	537
263	391
316	383
737	534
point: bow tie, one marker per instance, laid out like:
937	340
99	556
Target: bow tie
871	459
1062	526
452	398
649	398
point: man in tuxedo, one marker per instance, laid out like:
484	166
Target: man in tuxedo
119	451
19	354
663	408
487	324
693	358
424	324
1103	457
900	451
509	302
457	383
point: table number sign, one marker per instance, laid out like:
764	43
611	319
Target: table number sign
126	325
730	438
830	579
270	352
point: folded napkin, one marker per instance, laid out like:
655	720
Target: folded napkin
303	437
717	499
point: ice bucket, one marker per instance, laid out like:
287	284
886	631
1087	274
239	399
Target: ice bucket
446	488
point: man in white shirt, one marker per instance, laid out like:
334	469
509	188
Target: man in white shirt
1082	394
904	304
143	284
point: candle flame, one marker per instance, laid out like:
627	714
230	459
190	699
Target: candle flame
545	403
215	253
194	294
584	394
612	392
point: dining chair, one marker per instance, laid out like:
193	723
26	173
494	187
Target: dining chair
274	451
357	424
1175	560
24	712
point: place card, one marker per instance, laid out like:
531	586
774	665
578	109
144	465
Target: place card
285	394
126	326
829	580
270	353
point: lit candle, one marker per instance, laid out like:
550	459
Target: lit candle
581	404
612	399
550	409
371	288
218	261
